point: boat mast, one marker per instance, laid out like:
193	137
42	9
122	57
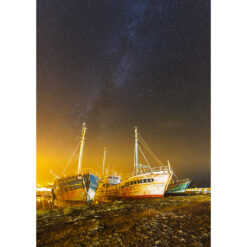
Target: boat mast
83	132
136	151
104	161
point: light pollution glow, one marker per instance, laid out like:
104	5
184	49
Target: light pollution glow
119	157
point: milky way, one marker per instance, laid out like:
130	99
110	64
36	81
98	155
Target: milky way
117	64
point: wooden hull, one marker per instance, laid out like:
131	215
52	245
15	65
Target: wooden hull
80	188
73	195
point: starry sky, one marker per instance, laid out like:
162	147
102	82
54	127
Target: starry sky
117	64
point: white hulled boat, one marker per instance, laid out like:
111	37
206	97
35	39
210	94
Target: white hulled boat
144	182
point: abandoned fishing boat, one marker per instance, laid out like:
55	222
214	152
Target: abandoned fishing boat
144	182
80	187
109	185
178	186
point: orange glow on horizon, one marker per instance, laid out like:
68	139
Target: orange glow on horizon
184	158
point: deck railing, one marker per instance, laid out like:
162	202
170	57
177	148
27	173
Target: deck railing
149	170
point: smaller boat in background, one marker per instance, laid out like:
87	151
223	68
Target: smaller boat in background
178	186
108	189
109	185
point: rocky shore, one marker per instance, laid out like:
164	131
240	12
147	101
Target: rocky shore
171	221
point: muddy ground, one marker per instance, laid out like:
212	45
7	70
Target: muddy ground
171	221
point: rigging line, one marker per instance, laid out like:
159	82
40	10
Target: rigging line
150	151
54	174
152	154
174	173
72	143
144	156
71	157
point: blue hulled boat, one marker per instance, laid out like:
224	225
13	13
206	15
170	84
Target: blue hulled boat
178	186
80	187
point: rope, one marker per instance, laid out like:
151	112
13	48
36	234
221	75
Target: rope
54	174
174	174
149	150
143	155
71	158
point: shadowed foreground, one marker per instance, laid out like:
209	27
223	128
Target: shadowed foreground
171	221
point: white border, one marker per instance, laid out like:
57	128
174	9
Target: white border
229	123
18	130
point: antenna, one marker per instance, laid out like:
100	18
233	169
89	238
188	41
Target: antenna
83	132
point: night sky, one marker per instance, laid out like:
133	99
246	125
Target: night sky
117	64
